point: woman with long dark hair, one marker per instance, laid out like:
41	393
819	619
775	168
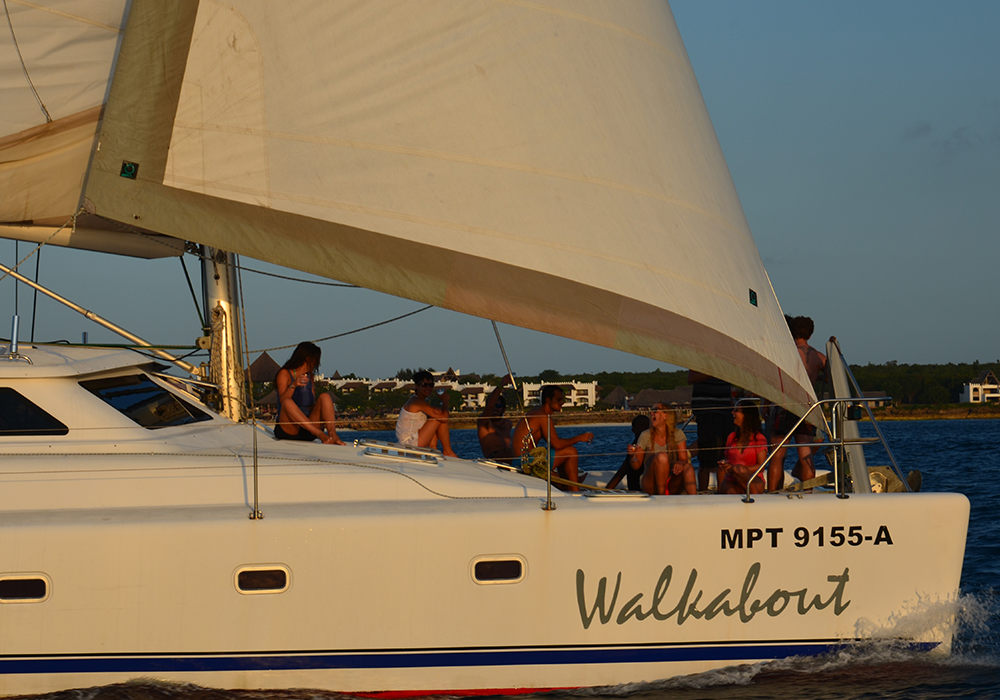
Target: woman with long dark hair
300	415
746	450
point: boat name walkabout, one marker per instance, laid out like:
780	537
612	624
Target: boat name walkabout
687	605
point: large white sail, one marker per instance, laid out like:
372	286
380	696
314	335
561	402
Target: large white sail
56	63
546	164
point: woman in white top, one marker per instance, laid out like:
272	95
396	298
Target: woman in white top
421	425
663	451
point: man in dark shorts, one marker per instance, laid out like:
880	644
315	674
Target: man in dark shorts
712	405
815	363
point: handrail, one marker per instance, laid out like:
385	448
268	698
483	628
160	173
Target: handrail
834	442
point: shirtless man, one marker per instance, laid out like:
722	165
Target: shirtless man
815	363
493	428
536	424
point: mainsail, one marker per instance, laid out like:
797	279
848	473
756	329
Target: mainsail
548	164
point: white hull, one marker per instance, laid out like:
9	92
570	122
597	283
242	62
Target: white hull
140	535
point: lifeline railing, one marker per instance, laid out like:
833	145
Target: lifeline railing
842	410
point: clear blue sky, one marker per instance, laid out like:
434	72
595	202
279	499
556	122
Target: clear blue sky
864	140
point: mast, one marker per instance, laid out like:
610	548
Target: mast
222	309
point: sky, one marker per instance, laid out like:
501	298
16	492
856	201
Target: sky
864	141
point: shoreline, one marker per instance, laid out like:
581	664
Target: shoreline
463	420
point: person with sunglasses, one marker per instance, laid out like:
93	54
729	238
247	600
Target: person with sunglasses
420	424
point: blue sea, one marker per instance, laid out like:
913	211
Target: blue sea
954	455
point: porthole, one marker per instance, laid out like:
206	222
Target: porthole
24	588
497	569
268	578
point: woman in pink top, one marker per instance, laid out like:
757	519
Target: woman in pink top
746	450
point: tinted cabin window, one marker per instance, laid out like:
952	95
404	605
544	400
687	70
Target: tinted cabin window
23	589
145	402
262	580
498	570
18	416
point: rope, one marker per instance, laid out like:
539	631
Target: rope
356	330
24	68
72	220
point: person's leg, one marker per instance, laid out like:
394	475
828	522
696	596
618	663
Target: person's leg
324	413
804	469
689	483
776	467
296	420
661	472
427	435
566	463
444	435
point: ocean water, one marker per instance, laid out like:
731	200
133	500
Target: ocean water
959	455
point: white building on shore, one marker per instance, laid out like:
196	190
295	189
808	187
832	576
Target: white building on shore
985	389
577	393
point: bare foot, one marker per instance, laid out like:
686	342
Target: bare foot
450	453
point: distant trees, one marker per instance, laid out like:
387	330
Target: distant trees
920	384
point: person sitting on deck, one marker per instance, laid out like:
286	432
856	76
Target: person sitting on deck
300	415
493	428
640	424
421	425
535	428
746	450
663	451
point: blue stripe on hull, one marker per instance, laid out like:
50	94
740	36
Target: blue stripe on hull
151	664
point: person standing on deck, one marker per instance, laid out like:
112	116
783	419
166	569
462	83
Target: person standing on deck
802	328
534	428
712	405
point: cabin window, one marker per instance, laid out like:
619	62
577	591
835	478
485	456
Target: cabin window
19	416
262	579
498	569
23	589
142	400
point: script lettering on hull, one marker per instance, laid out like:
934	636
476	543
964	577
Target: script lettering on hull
689	604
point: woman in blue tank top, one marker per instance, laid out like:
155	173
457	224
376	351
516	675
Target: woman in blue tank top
300	415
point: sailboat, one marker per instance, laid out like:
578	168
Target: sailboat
544	164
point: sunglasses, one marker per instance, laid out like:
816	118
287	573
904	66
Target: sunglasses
427	384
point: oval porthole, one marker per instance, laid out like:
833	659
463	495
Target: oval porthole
271	578
24	588
502	568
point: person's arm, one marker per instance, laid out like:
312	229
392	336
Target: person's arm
284	384
440	414
559	443
491	400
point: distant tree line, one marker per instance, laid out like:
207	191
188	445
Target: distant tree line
920	384
906	384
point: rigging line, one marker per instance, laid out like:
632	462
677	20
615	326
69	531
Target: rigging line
72	220
194	296
299	279
27	77
356	330
34	301
17	284
286	277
